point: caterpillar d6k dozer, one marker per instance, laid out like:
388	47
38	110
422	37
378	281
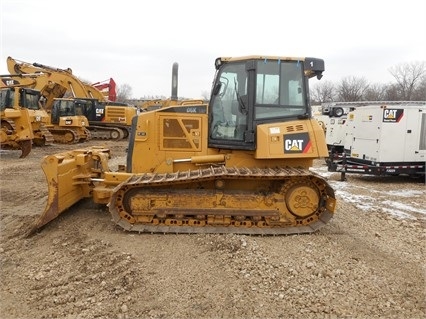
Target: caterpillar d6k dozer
240	164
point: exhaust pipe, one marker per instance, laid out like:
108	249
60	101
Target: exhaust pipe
174	96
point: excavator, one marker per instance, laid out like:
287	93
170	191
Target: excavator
16	132
107	120
239	164
67	126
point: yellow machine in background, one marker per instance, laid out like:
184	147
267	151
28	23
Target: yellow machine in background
107	119
40	119
69	124
16	131
237	165
71	129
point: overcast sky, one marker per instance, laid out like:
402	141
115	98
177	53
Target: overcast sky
137	42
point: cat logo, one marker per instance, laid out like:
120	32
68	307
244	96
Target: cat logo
392	115
297	143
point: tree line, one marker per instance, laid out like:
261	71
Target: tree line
409	85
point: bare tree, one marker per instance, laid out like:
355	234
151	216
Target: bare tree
408	76
322	92
419	93
352	89
124	93
376	92
391	93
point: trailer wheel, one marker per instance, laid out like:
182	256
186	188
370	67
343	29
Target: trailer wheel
338	112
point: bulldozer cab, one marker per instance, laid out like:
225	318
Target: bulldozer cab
66	108
256	90
29	99
15	97
7	97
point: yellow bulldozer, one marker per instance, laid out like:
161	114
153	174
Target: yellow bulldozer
239	164
40	119
16	131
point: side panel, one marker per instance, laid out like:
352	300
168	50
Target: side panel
336	131
393	137
165	137
296	139
415	148
119	114
364	134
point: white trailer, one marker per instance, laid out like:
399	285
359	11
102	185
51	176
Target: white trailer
385	138
332	117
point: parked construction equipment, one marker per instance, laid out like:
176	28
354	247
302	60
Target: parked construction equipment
384	138
107	120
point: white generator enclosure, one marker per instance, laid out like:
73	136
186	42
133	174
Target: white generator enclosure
333	117
386	139
336	133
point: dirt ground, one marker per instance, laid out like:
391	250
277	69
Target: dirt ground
368	262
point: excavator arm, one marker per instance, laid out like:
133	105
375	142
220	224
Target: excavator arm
51	82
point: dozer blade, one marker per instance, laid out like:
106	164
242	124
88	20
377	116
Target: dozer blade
69	177
25	146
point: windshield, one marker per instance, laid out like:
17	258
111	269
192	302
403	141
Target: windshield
7	97
280	89
30	100
65	107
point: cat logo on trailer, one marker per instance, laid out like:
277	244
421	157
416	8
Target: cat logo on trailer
392	115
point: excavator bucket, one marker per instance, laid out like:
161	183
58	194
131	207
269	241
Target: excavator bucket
70	178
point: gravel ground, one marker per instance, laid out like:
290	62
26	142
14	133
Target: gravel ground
368	262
